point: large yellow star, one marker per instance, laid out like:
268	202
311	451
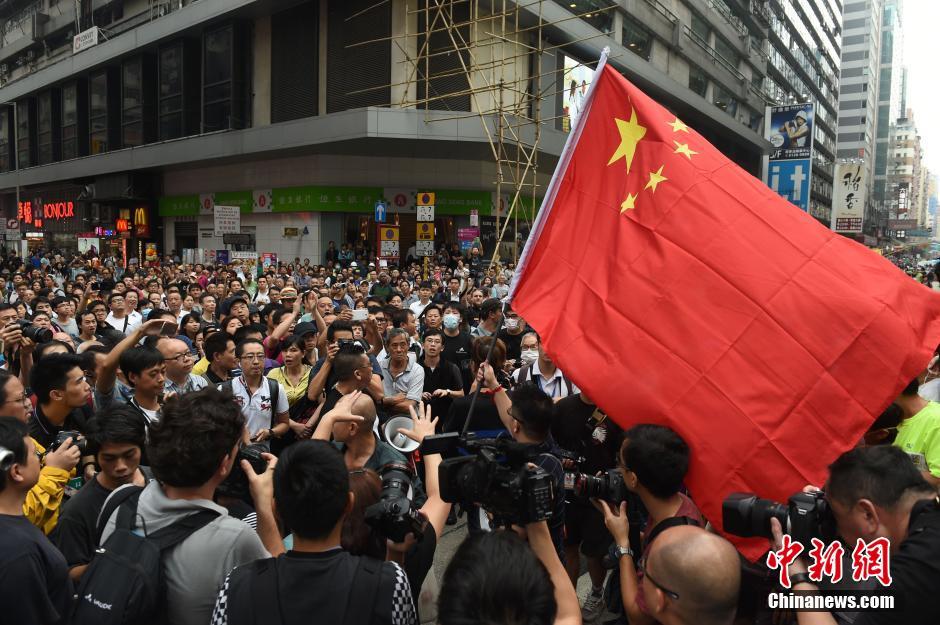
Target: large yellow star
628	203
655	178
630	134
678	126
683	148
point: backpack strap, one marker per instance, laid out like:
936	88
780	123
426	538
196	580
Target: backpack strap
568	384
365	586
665	524
124	494
274	388
524	373
179	531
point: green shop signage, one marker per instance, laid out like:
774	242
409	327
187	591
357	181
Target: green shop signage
326	199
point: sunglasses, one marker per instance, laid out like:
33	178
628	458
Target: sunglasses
669	593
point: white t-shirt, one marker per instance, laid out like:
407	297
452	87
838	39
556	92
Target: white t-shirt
126	324
257	407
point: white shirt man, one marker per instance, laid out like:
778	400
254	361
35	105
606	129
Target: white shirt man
118	318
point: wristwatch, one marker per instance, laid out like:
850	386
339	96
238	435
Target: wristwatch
623	551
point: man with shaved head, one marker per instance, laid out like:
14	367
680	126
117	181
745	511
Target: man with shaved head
692	576
179	367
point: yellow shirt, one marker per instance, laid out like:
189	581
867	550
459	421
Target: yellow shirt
201	367
44	500
294	393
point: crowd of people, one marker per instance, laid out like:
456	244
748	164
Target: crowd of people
195	444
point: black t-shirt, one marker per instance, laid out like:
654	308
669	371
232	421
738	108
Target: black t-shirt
74	535
45	432
513	344
915	573
445	376
319	584
34	580
418	560
574	429
457	350
485	415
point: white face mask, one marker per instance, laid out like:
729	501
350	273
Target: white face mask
511	324
529	356
451	321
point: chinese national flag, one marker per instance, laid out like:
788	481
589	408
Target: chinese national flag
675	288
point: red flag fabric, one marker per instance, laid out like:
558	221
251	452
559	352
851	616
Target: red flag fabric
675	288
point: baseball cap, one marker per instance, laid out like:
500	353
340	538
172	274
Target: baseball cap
288	292
305	328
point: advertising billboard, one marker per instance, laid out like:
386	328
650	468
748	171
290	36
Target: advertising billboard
848	197
576	78
790	131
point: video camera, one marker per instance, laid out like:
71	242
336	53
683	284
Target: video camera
804	517
394	514
496	475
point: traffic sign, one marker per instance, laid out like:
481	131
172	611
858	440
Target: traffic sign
425	213
424	248
13	224
425	231
389	249
381	210
425	199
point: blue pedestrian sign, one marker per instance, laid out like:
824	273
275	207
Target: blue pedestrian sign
380	211
791	180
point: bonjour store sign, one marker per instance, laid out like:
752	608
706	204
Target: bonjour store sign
33	212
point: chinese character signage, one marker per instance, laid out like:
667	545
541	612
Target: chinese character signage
790	168
848	197
227	220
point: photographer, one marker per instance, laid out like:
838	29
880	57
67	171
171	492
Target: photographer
116	438
655	461
322	377
311	492
497	578
191	450
527	415
580	427
876	492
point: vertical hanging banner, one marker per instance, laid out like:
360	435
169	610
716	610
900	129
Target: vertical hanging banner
848	197
790	169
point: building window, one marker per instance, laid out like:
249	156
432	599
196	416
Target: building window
700	27
725	100
47	122
98	113
132	104
218	74
726	51
171	92
636	38
698	81
70	121
23	138
6	142
597	13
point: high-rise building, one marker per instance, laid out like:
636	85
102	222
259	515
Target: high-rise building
805	38
906	189
890	95
858	91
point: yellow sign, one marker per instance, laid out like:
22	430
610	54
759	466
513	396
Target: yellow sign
425	231
388	233
424	199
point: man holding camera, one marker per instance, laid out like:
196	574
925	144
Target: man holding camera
877	493
116	438
317	577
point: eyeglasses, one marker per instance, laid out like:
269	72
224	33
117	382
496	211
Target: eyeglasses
669	593
180	358
253	357
22	399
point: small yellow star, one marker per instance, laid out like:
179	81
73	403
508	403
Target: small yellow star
630	134
655	178
683	148
628	203
678	126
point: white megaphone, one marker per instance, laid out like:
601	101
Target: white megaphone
398	440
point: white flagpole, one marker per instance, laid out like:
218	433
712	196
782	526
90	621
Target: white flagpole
552	191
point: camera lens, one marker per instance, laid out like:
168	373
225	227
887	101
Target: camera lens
747	515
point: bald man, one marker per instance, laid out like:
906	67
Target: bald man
692	576
179	360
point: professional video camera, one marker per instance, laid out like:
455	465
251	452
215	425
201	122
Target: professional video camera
33	332
805	516
77	439
496	475
608	486
394	514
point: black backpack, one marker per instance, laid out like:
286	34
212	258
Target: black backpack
124	583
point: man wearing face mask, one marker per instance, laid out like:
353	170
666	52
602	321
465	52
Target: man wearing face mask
456	341
514	328
544	374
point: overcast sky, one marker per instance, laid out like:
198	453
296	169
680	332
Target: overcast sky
922	58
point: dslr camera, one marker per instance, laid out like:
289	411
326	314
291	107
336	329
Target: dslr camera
394	514
77	440
496	475
33	332
236	484
608	486
804	517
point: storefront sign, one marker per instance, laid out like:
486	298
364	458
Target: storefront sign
269	259
122	225
151	253
326	199
227	220
58	210
141	222
85	39
262	201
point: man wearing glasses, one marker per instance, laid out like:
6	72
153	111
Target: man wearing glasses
179	367
263	401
